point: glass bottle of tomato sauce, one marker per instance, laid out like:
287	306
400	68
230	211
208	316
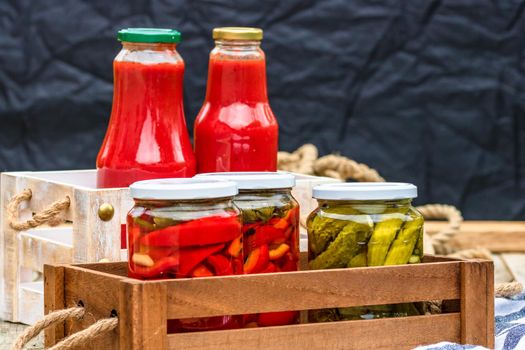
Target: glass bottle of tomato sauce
147	136
236	129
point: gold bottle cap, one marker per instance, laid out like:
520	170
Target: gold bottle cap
237	33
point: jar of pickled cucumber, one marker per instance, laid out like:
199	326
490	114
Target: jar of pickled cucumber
270	230
364	224
181	228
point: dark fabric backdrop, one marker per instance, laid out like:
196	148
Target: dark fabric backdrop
429	92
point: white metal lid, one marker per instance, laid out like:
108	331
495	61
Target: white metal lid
365	191
255	180
183	189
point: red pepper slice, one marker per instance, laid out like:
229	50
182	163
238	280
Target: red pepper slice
191	257
277	318
157	253
208	230
264	234
288	263
279	223
292	216
220	264
270	268
257	260
201	271
279	252
238	268
164	265
235	247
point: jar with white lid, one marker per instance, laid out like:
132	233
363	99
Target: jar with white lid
364	224
270	229
182	228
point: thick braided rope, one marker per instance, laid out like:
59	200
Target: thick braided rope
304	161
79	339
344	168
49	320
301	161
49	214
442	211
507	290
475	253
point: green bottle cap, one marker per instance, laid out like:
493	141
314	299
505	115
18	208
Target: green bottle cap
149	35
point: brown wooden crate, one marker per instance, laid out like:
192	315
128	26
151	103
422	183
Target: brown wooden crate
143	307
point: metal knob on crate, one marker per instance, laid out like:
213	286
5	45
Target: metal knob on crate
106	212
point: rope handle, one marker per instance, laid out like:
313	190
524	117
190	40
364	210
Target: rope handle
72	341
49	214
49	320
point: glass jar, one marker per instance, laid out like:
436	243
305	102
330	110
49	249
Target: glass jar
182	228
236	129
364	224
270	230
147	136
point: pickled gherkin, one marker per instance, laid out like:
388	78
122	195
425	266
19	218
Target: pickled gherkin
403	246
344	247
385	232
324	230
348	229
358	261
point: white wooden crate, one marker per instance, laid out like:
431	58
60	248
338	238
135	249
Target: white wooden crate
83	238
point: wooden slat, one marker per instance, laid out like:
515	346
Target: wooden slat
119	268
142	316
53	300
311	289
395	333
9	266
31	302
438	258
35	250
93	238
497	236
477	303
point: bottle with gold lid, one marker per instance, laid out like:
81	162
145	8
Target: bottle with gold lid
236	129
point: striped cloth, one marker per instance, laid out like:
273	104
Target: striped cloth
510	327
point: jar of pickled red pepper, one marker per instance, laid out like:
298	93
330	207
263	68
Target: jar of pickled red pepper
364	224
270	230
182	228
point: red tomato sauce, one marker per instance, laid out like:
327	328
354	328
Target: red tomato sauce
147	136
236	129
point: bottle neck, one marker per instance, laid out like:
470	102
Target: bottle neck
237	73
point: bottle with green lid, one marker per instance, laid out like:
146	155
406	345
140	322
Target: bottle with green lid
360	225
147	136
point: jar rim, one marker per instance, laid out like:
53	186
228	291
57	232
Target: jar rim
183	189
365	191
254	180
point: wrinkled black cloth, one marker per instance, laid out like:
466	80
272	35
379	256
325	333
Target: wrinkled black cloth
428	92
